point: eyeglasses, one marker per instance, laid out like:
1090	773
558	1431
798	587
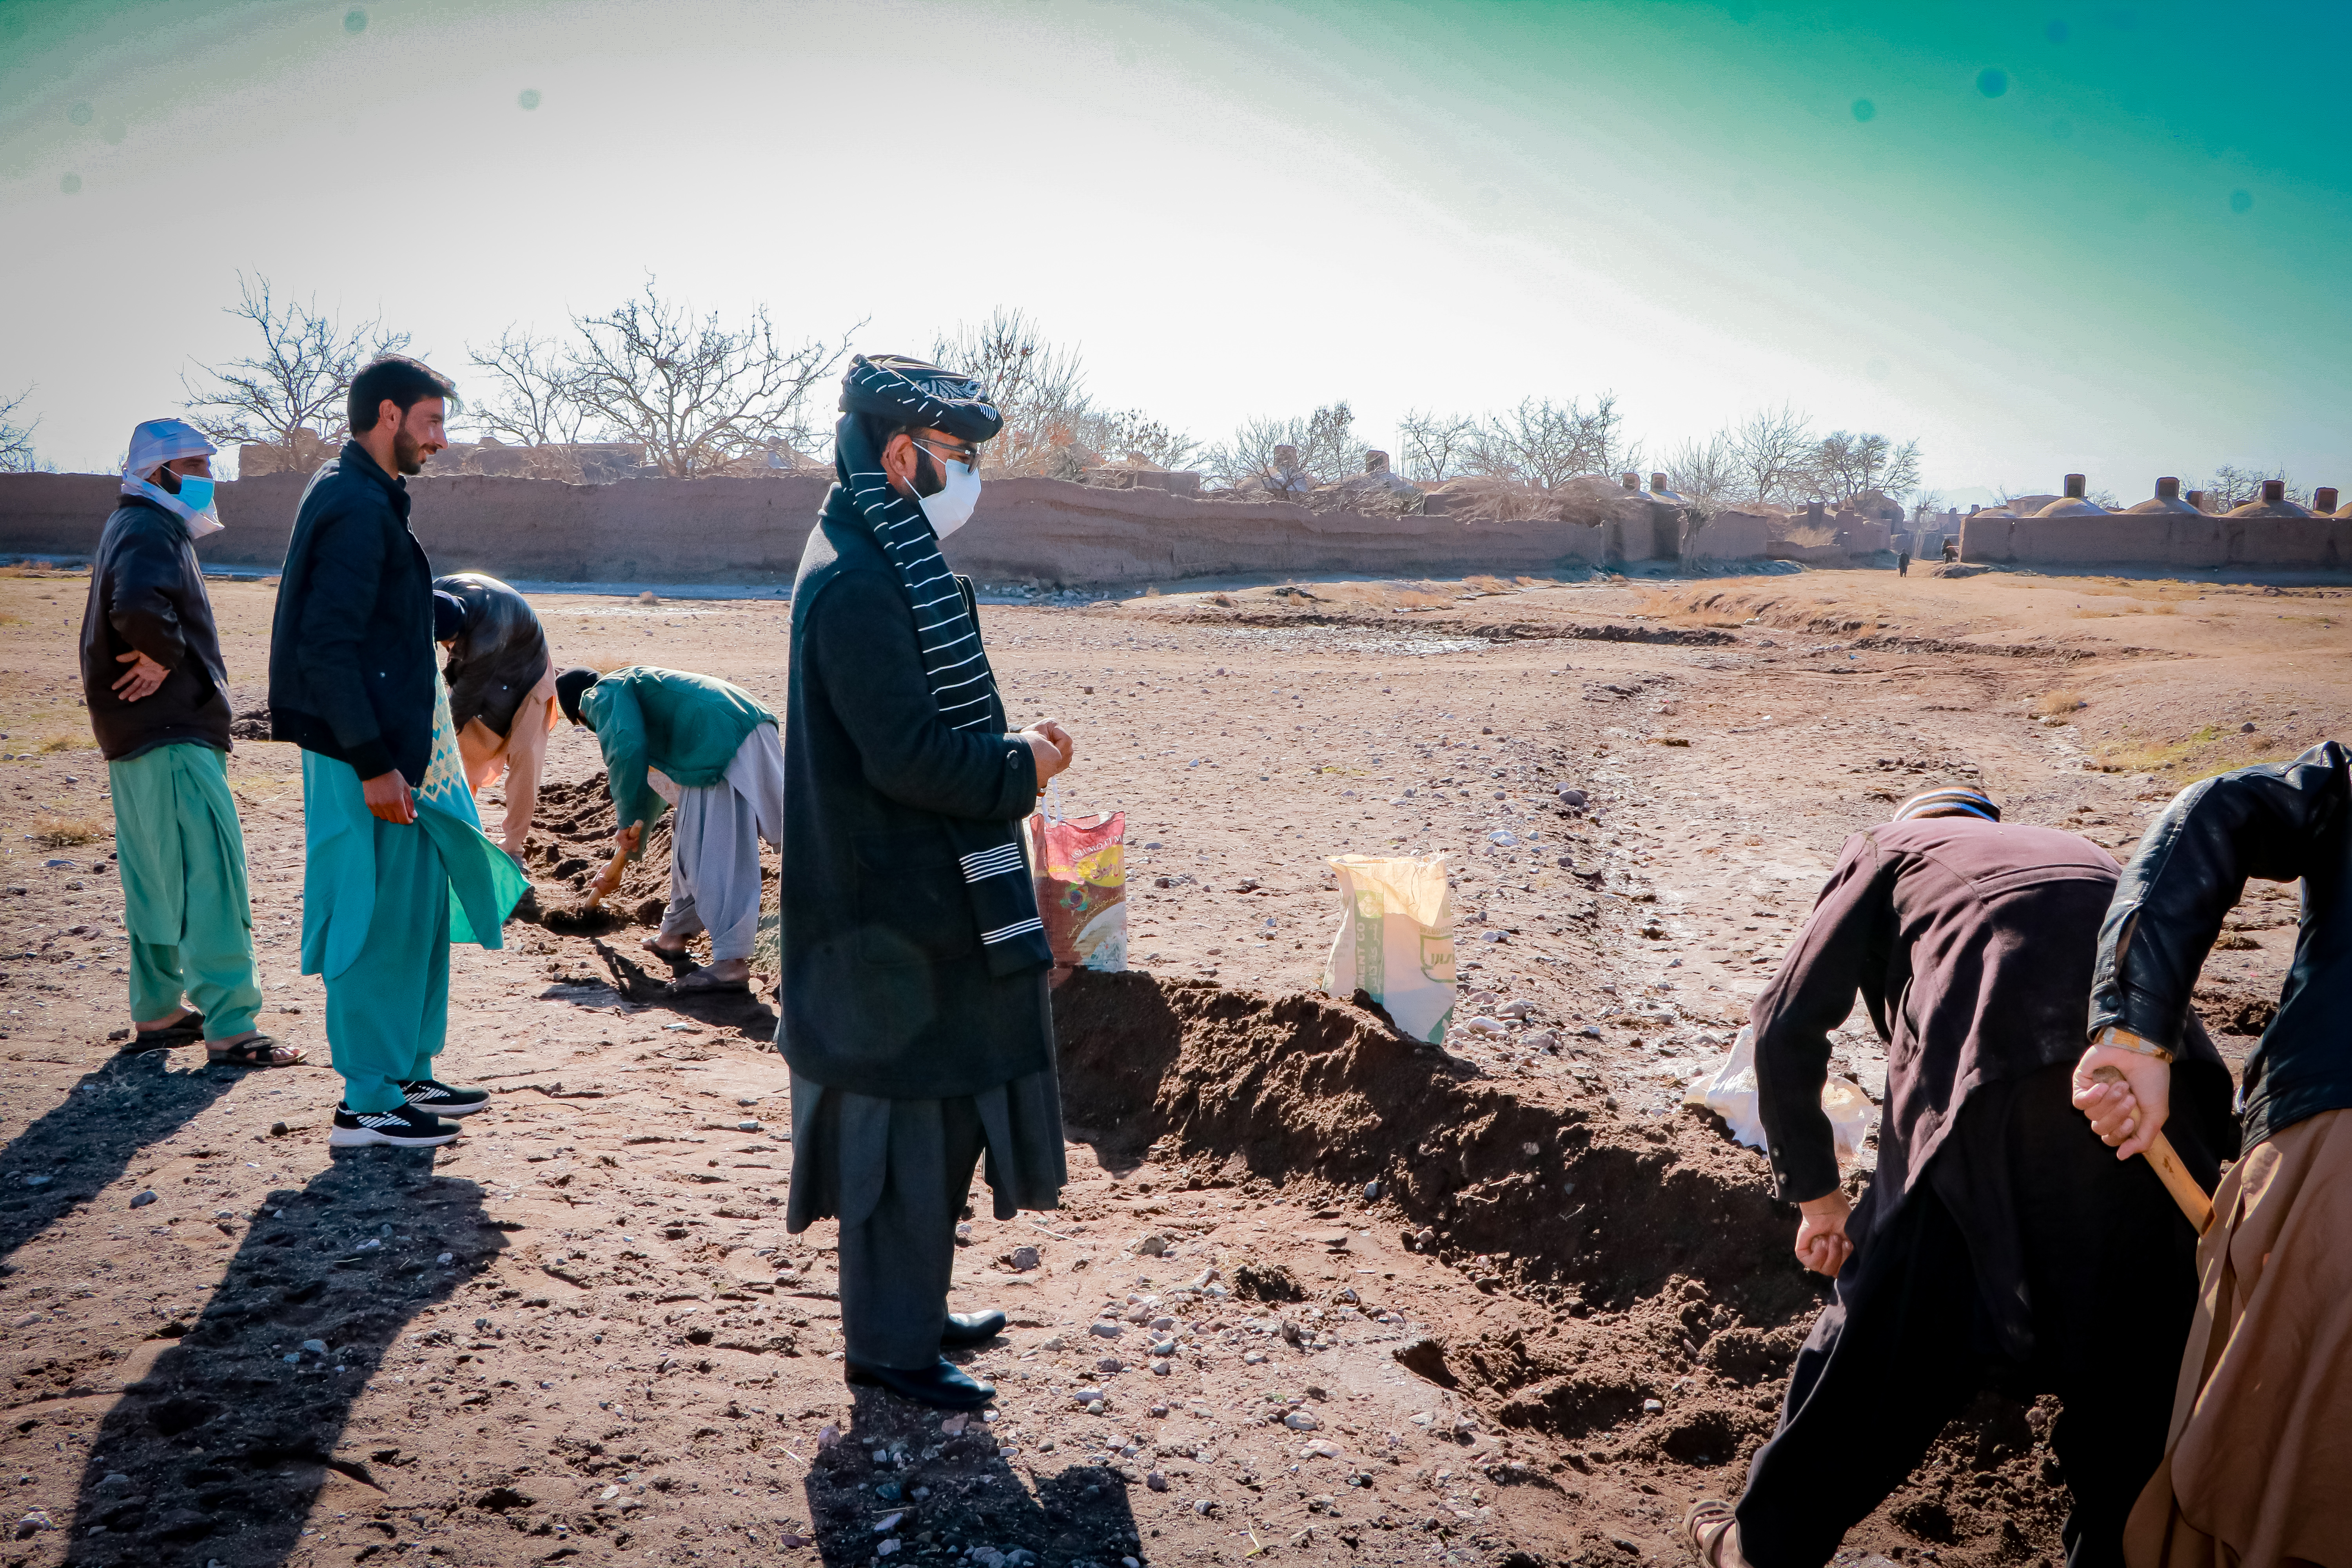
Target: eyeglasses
968	456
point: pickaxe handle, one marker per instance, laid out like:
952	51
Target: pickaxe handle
2170	1171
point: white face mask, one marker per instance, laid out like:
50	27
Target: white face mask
951	508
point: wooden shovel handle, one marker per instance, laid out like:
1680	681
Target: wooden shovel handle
2170	1171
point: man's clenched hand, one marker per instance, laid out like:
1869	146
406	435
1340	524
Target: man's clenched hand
1821	1244
2128	1115
389	799
1051	746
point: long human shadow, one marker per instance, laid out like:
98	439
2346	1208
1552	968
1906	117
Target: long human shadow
972	1500
221	1447
90	1138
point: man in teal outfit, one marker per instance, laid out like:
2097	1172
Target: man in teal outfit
718	750
394	870
157	693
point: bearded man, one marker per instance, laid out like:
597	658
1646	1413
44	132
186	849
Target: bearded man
353	682
914	1007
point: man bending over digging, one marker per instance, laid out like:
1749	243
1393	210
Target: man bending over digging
2000	1245
718	748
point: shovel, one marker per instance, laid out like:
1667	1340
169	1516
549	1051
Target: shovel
2170	1171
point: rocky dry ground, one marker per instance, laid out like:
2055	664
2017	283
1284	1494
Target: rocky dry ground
1316	1291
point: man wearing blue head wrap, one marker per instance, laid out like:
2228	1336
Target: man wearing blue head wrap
157	692
914	1007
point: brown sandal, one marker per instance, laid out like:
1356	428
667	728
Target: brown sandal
680	963
1712	1534
260	1051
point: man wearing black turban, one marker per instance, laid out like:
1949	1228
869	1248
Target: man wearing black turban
914	1008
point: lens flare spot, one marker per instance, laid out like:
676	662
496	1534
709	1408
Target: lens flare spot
1993	81
354	20
528	98
1864	109
2055	32
79	113
2242	201
70	185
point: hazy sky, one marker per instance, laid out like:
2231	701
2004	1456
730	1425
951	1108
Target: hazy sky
2105	237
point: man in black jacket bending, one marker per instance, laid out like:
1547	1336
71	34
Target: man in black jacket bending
390	830
914	1008
158	696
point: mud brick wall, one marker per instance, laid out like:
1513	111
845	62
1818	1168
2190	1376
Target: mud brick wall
750	531
2159	539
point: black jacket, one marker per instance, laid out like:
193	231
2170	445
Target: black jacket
147	593
886	989
2278	821
351	652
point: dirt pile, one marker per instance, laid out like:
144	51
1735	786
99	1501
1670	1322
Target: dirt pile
571	840
1670	1309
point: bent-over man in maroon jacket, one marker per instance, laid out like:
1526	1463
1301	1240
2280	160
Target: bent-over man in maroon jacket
1999	1245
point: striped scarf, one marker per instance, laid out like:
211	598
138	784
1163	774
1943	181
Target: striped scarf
995	868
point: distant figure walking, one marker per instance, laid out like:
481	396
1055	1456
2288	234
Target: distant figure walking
501	694
158	696
1903	563
392	873
717	748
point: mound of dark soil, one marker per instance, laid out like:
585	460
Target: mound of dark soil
571	840
1677	1307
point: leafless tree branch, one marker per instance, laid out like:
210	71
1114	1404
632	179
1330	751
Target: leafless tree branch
299	379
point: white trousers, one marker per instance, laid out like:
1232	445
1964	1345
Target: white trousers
714	868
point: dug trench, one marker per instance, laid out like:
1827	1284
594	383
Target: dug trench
1665	1307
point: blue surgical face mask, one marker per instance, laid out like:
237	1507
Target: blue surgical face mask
195	492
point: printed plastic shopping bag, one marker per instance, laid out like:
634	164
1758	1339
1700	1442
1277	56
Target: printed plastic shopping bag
1396	940
1080	864
1730	1092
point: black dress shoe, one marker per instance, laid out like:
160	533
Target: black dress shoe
942	1385
971	1328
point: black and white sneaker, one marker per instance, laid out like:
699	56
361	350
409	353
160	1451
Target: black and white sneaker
402	1127
438	1098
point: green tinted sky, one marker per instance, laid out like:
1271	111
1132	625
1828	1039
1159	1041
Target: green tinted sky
2040	238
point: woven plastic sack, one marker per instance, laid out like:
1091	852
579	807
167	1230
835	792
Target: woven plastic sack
1396	940
1081	869
1729	1091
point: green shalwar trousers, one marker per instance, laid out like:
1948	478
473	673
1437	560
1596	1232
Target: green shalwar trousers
381	901
183	895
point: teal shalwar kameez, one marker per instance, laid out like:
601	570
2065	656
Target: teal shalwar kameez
381	901
183	895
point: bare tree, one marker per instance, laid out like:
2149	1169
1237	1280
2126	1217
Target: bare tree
1773	448
697	395
2232	486
1546	444
533	399
1707	471
1436	446
1129	434
1843	465
1039	388
1326	445
299	379
17	440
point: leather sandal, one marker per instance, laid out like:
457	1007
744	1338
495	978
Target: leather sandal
260	1051
1712	1534
187	1031
698	982
680	963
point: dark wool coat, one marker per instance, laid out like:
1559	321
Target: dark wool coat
886	990
1971	944
147	593
351	666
